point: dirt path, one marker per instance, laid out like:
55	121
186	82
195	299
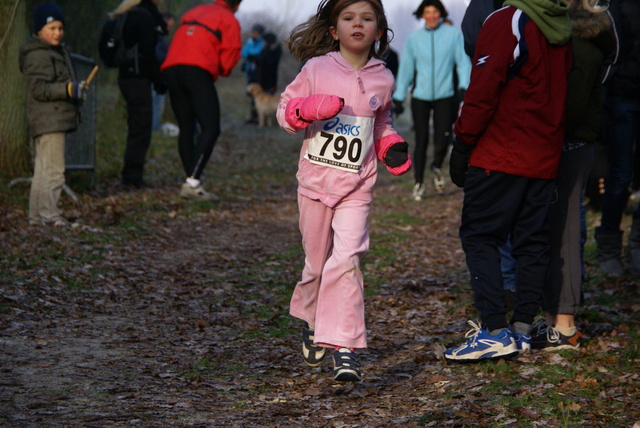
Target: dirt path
178	333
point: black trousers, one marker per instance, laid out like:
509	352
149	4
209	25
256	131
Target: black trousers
194	100
442	128
137	94
497	205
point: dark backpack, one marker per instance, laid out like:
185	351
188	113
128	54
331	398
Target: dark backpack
113	52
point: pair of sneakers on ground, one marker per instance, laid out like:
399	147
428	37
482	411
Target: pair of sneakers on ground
438	184
346	367
507	343
55	222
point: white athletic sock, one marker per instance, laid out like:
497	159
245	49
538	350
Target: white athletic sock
567	331
193	182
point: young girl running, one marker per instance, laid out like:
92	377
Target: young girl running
342	99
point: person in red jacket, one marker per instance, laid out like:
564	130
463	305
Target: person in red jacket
507	148
205	45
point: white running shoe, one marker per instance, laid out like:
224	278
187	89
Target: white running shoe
438	180
418	192
196	193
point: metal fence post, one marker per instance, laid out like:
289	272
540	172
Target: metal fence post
80	147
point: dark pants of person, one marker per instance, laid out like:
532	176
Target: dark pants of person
137	94
497	205
563	285
442	128
623	131
194	99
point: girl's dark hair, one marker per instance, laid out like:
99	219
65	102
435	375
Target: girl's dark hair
437	3
312	38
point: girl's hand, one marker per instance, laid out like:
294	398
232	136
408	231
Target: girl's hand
397	155
320	107
392	150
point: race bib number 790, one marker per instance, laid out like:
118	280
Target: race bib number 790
341	142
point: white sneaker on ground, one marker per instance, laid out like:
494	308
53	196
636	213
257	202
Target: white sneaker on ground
418	192
170	130
196	193
438	179
482	345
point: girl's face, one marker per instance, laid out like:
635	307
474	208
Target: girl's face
357	28
52	33
431	16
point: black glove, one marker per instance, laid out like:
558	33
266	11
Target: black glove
398	108
461	94
160	87
459	162
396	155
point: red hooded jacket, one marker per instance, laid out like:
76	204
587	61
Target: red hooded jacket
208	37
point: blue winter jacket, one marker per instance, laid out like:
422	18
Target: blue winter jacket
250	51
427	63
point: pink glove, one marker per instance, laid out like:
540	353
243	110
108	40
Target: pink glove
300	112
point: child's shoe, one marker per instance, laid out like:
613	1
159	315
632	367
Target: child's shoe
482	345
550	339
346	367
313	354
539	327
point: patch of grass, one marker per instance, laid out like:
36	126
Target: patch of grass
630	354
240	405
206	369
197	207
283	326
75	284
254	334
133	227
399	219
385	255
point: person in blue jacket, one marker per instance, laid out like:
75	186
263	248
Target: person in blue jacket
427	70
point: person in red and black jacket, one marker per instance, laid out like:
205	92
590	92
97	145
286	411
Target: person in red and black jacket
506	153
206	45
136	77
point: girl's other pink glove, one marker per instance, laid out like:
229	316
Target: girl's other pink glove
392	150
300	112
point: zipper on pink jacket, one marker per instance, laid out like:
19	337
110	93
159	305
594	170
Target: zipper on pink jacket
360	83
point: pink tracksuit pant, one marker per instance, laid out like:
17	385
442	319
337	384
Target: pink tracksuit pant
330	295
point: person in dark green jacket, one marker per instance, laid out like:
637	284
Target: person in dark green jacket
53	97
593	41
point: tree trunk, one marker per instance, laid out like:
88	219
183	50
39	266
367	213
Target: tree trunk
15	158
